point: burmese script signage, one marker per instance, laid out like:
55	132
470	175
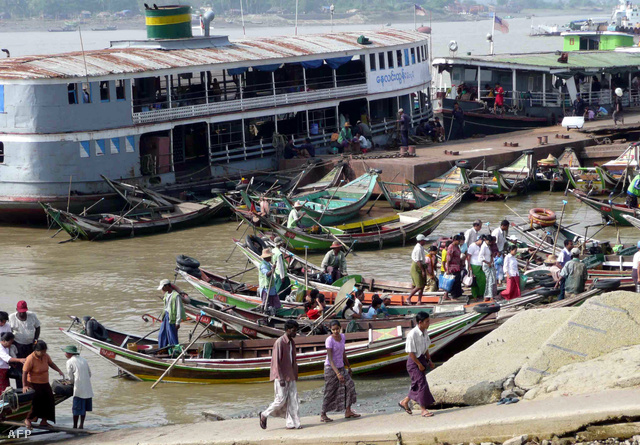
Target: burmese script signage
382	81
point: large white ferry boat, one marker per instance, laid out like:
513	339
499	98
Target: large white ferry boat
176	108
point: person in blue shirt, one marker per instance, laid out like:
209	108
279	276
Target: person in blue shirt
384	308
374	309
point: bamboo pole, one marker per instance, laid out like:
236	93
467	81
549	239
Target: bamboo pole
555	240
182	353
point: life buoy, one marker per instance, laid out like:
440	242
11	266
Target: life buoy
255	244
542	217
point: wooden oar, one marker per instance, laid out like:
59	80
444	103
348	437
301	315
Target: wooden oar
184	351
555	240
329	232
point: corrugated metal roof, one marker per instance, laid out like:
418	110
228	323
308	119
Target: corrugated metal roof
577	60
138	60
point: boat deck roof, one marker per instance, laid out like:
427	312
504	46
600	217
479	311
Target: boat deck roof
241	53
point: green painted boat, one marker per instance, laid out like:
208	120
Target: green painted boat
446	184
610	211
591	180
410	224
501	183
337	204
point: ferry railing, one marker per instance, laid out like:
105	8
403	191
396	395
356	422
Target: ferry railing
242	153
245	104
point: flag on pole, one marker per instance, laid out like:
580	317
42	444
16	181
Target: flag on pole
500	25
419	10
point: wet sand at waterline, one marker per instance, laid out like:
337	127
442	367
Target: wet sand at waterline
115	282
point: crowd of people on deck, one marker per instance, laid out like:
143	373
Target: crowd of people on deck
24	358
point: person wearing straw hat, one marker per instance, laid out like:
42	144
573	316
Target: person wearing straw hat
295	215
267	282
283	283
552	264
172	315
335	262
80	375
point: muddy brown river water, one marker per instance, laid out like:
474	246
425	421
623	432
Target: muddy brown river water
115	282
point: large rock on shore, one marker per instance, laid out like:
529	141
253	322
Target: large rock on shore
601	325
476	375
616	370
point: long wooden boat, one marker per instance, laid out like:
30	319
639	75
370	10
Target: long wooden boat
410	224
245	295
405	196
338	204
20	414
248	361
610	211
147	212
550	174
621	169
634	221
331	179
504	182
591	180
450	182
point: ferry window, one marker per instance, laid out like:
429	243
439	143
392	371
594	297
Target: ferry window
399	58
372	61
72	92
425	54
413	56
418	53
86	93
120	90
381	60
390	58
422	51
104	91
1	152
407	61
1	98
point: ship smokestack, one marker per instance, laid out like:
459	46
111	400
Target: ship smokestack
168	22
207	18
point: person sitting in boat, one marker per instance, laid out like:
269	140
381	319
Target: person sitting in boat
552	265
349	312
438	129
311	311
384	307
335	262
267	283
295	215
282	281
374	309
633	191
357	295
578	106
172	315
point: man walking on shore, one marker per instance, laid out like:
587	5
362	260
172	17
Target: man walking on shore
80	374
284	373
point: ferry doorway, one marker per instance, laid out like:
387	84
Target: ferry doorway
191	152
353	111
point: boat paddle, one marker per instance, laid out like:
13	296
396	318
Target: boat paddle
330	233
555	239
183	352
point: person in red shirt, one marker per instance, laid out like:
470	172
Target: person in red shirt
499	98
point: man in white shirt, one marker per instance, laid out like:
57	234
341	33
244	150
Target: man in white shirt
4	323
26	327
634	271
475	268
501	235
417	347
489	270
364	143
564	258
80	374
6	360
418	269
471	235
